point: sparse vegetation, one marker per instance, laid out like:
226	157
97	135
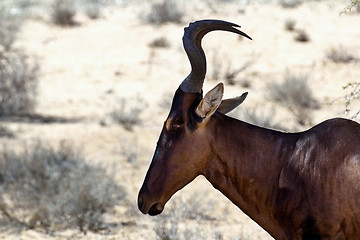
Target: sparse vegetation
127	116
170	224
259	117
351	97
18	73
294	90
290	3
301	36
290	25
18	85
231	74
5	132
160	42
354	4
54	189
224	70
63	12
9	28
93	8
185	219
340	54
164	11
129	150
295	94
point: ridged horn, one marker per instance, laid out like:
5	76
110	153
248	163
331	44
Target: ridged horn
192	44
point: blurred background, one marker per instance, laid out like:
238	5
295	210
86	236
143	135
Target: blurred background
85	86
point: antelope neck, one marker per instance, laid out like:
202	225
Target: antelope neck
245	166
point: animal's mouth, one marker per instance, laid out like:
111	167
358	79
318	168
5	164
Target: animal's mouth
155	209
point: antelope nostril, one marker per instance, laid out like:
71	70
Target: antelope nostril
140	203
155	209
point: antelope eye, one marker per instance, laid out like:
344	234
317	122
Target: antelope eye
175	126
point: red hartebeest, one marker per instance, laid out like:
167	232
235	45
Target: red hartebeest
302	185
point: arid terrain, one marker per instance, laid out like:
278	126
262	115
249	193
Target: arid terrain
111	84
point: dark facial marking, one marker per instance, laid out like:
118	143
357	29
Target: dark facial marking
310	229
183	111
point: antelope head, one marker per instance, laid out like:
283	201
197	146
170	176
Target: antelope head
183	148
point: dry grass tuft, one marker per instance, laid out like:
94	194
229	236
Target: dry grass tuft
9	27
260	118
164	11
160	42
5	132
302	36
18	85
93	8
170	224
289	3
351	97
295	94
63	12
340	55
54	189
290	25
125	115
222	69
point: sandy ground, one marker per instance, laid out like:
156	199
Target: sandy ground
87	70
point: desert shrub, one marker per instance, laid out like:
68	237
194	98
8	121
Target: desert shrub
301	36
260	118
164	11
223	69
231	74
290	25
190	219
293	90
340	54
354	4
351	97
93	8
160	42
63	12
9	27
18	85
129	150
125	115
289	3
295	94
169	224
5	132
18	75
54	188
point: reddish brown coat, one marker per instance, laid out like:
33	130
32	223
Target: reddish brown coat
302	185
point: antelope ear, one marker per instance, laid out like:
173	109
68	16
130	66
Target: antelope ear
210	102
228	105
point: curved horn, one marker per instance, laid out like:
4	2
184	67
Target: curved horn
192	45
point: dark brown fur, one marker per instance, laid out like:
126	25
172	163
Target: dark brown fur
295	185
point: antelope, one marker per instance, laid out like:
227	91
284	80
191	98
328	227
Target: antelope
303	185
